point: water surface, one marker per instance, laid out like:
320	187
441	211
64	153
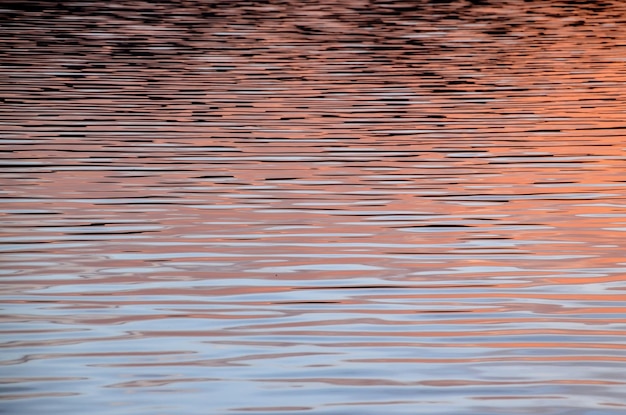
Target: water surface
308	207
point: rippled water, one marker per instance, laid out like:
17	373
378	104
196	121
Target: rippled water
372	207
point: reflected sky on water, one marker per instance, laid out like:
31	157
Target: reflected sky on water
292	207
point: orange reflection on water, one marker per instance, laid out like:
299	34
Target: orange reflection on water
290	194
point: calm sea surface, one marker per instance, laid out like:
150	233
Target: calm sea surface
313	207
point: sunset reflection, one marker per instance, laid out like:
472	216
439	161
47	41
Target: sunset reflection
277	207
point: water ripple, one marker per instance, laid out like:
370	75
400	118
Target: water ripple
309	207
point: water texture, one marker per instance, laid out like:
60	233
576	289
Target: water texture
313	207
